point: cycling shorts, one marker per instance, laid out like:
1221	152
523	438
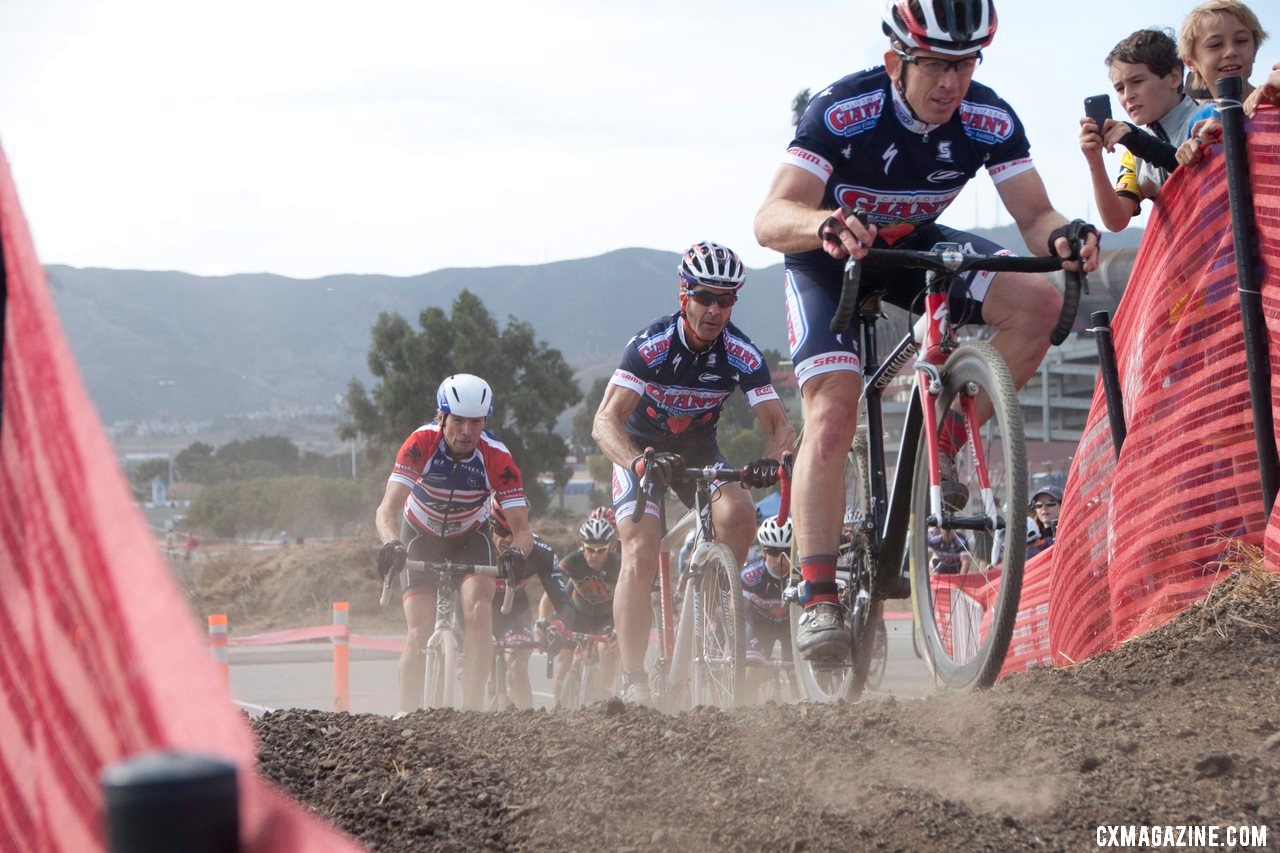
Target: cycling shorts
813	289
473	547
626	485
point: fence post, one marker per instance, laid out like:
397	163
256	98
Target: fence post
218	645
1244	237
341	658
160	802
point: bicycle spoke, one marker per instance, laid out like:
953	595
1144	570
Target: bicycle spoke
965	600
720	655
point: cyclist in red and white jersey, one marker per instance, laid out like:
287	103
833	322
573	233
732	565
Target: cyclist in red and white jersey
899	141
434	509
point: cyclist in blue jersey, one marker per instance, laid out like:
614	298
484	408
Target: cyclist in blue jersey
517	626
667	394
765	618
898	141
434	508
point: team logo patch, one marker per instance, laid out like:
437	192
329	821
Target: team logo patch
855	115
986	124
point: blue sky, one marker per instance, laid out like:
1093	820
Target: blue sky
402	136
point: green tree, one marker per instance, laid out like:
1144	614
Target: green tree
583	443
799	104
532	385
198	465
141	476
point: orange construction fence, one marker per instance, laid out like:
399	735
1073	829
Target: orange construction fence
1145	535
100	659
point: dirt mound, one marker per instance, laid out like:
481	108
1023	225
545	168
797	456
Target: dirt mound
1177	727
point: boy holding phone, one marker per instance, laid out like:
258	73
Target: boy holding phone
1146	75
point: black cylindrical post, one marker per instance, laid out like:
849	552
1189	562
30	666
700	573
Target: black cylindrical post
1110	377
1245	237
160	802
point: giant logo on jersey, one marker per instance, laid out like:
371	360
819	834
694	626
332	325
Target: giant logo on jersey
654	349
888	208
855	115
986	124
684	401
741	355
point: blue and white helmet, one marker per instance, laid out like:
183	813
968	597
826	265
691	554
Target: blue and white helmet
713	266
466	396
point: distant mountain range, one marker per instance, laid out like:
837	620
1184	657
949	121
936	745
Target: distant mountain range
174	345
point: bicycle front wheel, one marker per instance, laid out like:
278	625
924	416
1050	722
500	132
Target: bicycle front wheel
571	692
965	596
720	653
440	685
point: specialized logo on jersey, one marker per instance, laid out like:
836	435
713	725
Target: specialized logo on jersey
888	155
685	401
741	354
986	124
855	115
653	350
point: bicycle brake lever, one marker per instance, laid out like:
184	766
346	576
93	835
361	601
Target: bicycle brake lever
386	590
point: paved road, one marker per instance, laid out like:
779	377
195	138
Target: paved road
300	675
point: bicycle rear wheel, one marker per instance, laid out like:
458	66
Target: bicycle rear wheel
720	649
440	685
965	619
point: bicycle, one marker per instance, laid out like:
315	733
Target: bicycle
582	685
496	696
778	682
963	622
700	658
440	686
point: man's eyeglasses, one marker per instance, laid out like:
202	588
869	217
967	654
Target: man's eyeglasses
1044	504
933	67
595	549
774	552
708	298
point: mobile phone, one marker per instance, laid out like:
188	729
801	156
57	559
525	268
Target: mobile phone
1098	108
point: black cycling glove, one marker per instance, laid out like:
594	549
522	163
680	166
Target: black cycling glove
1076	231
663	469
761	474
511	566
391	558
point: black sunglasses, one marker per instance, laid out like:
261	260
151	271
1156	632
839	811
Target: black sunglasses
708	298
774	552
1044	504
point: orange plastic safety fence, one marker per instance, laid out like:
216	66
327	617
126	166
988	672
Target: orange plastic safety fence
1145	535
100	657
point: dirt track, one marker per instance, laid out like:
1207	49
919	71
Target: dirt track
1179	727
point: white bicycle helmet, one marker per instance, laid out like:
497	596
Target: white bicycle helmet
712	266
466	396
949	27
771	535
596	531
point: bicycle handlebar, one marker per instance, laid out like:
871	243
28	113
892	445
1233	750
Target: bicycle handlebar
710	474
947	258
448	567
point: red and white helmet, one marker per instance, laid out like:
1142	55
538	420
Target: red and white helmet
712	266
949	27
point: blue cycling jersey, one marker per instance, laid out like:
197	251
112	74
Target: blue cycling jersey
859	137
682	391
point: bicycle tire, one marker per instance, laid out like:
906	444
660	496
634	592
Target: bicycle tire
879	656
719	670
860	598
496	696
571	695
440	684
966	620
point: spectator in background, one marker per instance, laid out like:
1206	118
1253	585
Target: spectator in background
1045	505
1219	38
1146	74
192	544
948	552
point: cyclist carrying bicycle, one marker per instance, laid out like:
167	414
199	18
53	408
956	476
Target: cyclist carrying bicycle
898	142
517	625
580	595
763	580
667	394
434	509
